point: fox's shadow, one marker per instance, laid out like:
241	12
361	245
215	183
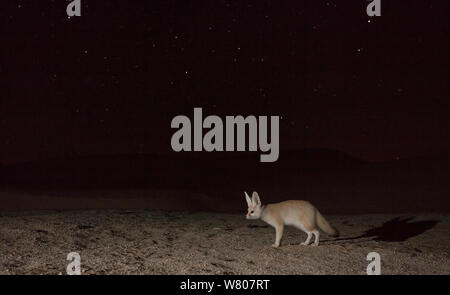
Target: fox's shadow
398	229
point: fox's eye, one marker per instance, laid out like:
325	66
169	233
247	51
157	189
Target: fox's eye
251	212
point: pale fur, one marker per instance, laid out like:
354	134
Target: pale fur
301	214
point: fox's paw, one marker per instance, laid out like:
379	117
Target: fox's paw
275	245
304	244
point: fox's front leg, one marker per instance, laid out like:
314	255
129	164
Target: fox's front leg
278	235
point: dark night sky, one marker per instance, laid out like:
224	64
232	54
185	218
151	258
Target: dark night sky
111	80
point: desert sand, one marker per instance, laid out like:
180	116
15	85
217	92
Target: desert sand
159	242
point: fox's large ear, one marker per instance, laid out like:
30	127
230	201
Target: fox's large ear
249	201
255	199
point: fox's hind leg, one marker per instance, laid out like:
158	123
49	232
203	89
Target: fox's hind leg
308	239
316	237
308	227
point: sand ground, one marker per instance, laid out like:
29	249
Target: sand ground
157	242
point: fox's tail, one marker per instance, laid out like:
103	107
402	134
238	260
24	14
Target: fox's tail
325	226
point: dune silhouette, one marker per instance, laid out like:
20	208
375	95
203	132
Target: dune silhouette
398	229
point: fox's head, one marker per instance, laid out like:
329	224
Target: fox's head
254	206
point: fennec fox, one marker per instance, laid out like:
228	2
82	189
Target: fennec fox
300	214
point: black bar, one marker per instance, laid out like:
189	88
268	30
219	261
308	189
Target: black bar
267	284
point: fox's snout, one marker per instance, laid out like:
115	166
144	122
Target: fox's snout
250	216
